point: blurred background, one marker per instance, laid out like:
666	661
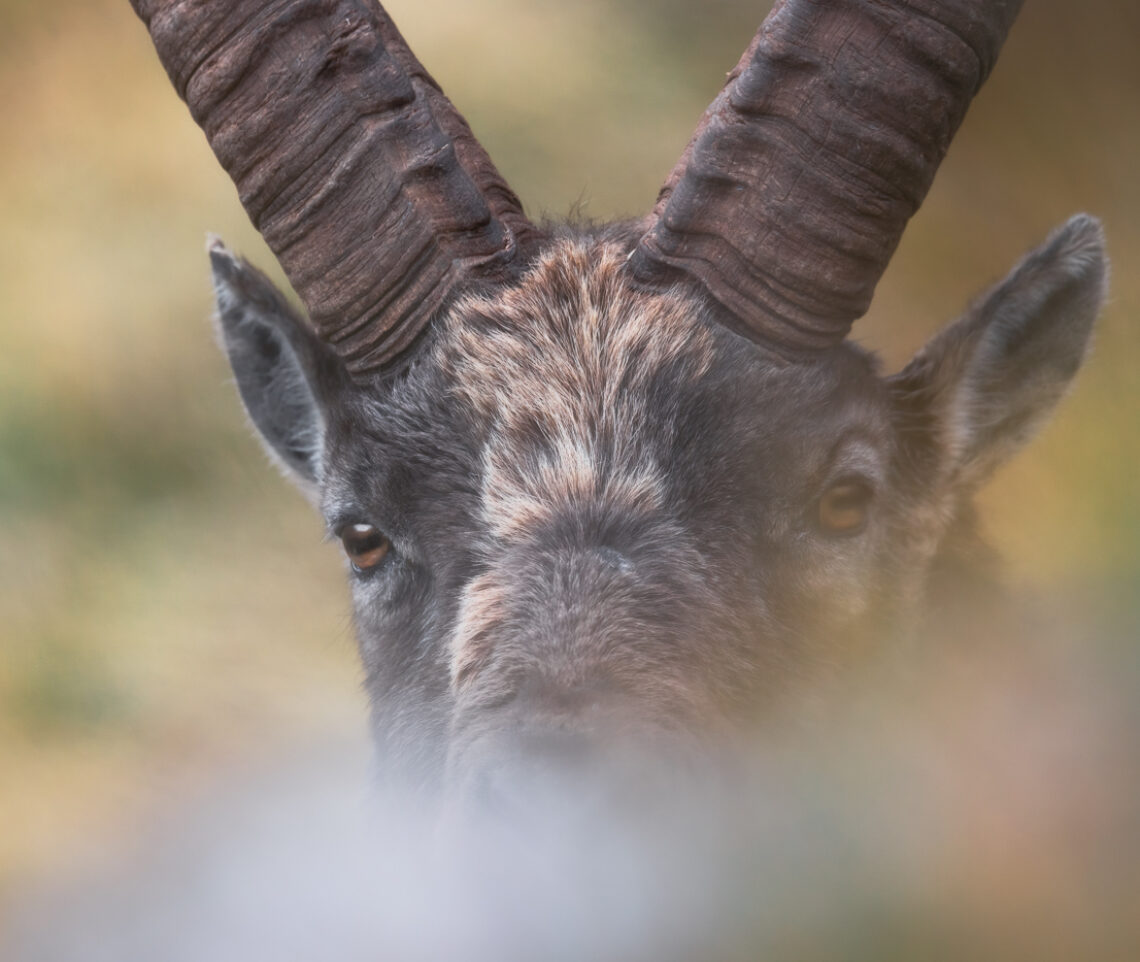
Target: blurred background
169	614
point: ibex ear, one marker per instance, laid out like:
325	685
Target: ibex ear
980	389
280	365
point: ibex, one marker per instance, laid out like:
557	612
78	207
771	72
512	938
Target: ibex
626	483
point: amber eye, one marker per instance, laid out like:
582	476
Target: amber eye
365	546
843	508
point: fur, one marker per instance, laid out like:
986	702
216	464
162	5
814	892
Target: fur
604	506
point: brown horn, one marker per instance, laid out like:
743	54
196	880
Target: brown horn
363	178
796	187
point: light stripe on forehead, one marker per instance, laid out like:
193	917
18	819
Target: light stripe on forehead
561	368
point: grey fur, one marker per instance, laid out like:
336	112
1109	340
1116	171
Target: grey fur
602	503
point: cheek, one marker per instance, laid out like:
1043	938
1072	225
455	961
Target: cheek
822	588
396	631
369	627
379	624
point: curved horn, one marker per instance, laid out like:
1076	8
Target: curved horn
363	178
795	190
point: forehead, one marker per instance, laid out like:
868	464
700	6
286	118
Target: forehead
574	388
575	377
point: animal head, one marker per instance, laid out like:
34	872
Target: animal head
632	484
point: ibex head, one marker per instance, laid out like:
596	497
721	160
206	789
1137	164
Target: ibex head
627	483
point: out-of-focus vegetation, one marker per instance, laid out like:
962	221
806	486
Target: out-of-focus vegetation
166	606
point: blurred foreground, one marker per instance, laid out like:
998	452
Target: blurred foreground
979	805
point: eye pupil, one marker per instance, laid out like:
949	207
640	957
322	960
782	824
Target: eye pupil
843	509
365	546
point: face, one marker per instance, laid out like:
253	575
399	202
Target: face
586	517
601	505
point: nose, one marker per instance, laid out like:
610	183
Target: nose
577	755
548	733
558	781
527	772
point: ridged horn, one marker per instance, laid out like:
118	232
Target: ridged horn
796	187
361	176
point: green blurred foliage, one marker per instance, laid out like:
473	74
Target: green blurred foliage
164	600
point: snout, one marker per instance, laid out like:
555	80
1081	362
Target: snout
580	674
550	755
519	774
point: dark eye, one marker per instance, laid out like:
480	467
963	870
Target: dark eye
844	507
365	546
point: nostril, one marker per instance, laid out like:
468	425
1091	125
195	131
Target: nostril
560	751
494	793
547	780
567	706
532	769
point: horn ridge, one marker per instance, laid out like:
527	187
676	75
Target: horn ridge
350	161
794	192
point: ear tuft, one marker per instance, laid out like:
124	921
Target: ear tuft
224	263
276	361
1065	279
986	383
1079	244
1039	319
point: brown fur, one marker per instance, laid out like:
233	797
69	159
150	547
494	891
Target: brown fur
559	365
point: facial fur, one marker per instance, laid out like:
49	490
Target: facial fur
604	506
